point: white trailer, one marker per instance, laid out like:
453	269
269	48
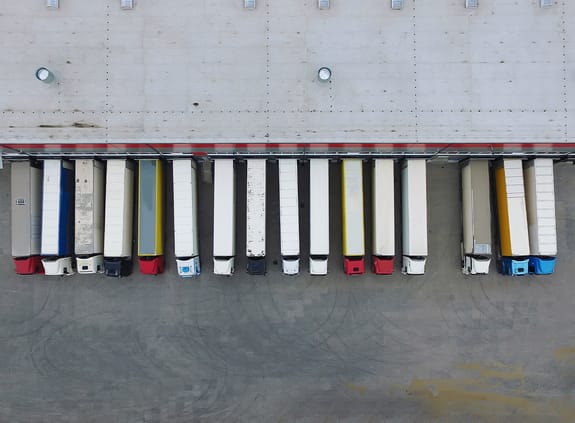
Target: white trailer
224	216
89	216
414	216
289	216
256	216
383	216
540	201
118	222
319	216
26	192
476	217
58	217
352	216
186	217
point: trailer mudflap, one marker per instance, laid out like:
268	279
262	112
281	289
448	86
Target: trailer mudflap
151	265
28	265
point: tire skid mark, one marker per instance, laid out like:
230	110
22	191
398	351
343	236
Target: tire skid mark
307	351
219	384
453	332
323	344
397	340
319	326
408	332
40	356
151	358
42	325
39	311
492	320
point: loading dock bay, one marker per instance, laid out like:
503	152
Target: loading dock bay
280	348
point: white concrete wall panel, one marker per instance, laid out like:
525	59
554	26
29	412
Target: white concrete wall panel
211	71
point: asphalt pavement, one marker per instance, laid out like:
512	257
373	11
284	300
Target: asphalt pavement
439	347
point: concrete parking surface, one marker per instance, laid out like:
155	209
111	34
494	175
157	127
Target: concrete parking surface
441	347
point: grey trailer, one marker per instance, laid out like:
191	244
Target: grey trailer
26	192
476	217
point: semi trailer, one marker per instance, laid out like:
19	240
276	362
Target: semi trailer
414	216
289	216
26	209
224	241
89	216
186	247
352	216
151	216
118	220
58	217
512	217
383	216
256	216
319	216
476	217
540	201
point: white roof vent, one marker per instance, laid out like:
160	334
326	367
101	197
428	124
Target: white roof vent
323	4
249	4
471	4
546	3
52	4
397	4
127	4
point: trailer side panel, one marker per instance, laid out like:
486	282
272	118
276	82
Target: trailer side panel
26	196
89	209
119	209
512	213
383	216
256	208
352	202
476	207
540	199
289	207
414	198
185	208
150	208
319	207
224	208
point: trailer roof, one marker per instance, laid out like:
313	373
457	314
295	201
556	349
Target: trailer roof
212	71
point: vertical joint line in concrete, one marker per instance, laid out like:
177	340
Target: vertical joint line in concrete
268	79
330	97
415	105
108	109
565	74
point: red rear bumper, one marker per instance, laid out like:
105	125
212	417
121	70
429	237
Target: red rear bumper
28	265
151	265
353	265
382	266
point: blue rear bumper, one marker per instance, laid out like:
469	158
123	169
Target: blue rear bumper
542	265
514	266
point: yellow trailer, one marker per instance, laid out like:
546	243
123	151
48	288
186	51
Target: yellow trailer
512	217
151	216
